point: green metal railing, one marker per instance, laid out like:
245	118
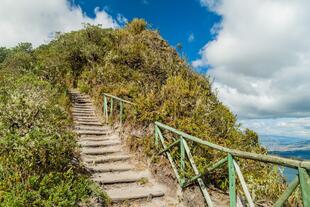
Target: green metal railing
234	171
233	168
109	99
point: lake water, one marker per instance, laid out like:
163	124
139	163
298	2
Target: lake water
289	147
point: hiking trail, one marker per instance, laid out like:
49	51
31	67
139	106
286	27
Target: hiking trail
111	166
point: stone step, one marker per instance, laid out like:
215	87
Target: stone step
99	128
93	132
85	119
80	97
100	151
79	105
98	143
120	177
83	110
88	123
95	140
82	114
99	137
105	159
81	100
87	128
83	107
131	193
104	138
111	167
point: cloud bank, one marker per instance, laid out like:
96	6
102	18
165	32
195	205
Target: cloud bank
35	21
260	57
291	127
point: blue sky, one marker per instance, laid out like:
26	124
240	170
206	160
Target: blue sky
176	20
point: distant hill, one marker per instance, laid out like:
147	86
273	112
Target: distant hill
284	143
290	147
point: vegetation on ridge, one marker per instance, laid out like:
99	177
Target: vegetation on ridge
38	160
135	63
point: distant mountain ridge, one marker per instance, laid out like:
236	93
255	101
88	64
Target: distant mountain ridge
284	143
290	147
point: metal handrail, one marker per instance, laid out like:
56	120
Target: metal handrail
303	166
293	163
121	106
119	99
302	178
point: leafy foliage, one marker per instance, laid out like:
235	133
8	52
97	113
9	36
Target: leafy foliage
37	147
135	63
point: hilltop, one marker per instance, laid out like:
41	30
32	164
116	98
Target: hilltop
137	64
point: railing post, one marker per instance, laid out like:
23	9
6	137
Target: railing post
105	108
304	180
182	160
200	181
169	156
121	106
232	181
243	184
286	194
111	107
156	135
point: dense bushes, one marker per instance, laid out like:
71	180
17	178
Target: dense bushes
38	160
140	66
135	63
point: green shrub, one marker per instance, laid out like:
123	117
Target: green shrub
135	63
38	161
136	26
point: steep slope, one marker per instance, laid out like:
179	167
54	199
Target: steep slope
110	164
137	64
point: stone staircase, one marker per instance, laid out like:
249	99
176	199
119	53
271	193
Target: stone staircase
111	166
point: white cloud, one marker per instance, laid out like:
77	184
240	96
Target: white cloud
260	57
291	127
191	38
121	19
35	20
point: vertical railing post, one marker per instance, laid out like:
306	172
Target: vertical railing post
105	108
121	108
111	107
202	185
232	181
161	137
286	194
304	180
182	160
156	136
243	184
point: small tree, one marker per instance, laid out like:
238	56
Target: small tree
136	26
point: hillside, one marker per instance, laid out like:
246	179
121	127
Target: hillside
135	63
